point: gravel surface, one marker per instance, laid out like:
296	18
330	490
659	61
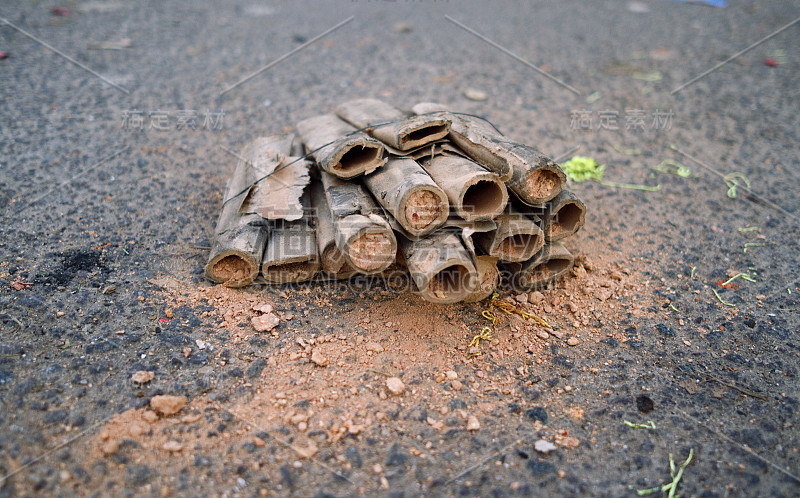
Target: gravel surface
107	191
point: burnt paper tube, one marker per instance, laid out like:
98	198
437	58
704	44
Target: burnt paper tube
363	235
440	267
339	148
533	177
291	251
552	261
391	125
563	216
474	193
404	189
331	259
517	237
239	239
488	278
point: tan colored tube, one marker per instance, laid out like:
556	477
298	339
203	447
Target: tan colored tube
488	277
391	125
563	216
291	252
404	189
363	235
338	148
474	193
440	267
517	237
553	261
332	260
531	175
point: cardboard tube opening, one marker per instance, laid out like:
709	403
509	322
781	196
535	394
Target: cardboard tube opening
550	268
292	272
424	132
483	198
517	246
332	259
566	220
423	207
449	281
371	251
358	158
231	268
543	183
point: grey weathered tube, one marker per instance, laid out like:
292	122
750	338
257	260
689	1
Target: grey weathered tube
404	189
474	193
338	148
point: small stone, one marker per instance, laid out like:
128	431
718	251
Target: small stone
521	298
535	297
377	469
456	385
142	377
473	424
167	405
59	314
260	443
64	476
451	374
475	94
395	386
172	446
402	27
573	341
265	323
318	359
306	451
150	416
374	347
543	446
110	447
263	308
109	289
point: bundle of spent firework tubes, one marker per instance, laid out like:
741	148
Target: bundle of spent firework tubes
440	196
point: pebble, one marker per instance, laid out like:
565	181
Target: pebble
306	451
535	297
149	416
142	377
167	405
475	94
263	308
473	424
172	446
456	385
374	347
395	386
265	323
318	358
543	446
521	298
451	374
573	341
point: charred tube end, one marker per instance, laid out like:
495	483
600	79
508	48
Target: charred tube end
299	271
543	184
425	210
520	247
358	159
451	284
483	200
426	131
372	251
566	221
232	270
